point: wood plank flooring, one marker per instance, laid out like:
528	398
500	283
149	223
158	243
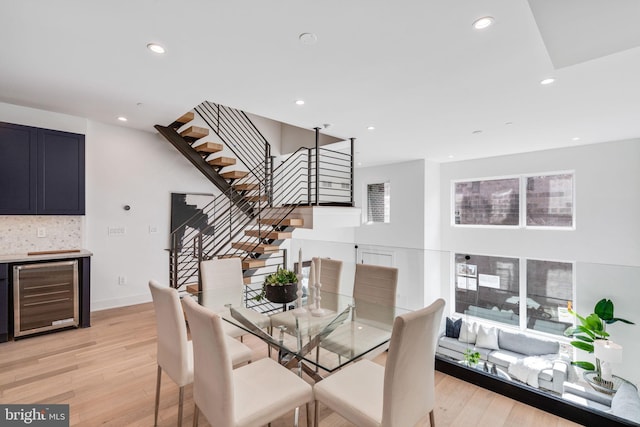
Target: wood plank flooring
106	373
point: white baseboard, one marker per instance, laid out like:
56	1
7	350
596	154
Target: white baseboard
120	302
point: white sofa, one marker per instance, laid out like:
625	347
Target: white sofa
514	348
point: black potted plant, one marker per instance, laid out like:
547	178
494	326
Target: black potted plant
280	287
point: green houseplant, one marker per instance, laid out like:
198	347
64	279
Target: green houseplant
279	287
471	357
592	328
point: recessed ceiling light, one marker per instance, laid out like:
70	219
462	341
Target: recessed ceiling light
308	38
155	48
122	118
450	156
371	128
508	123
547	81
475	132
482	23
299	102
575	138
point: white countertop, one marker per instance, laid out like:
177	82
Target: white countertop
24	257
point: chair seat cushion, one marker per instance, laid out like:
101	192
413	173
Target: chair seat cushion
355	392
238	352
352	339
265	390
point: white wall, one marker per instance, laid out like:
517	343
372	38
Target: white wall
605	242
123	166
404	235
607	180
140	169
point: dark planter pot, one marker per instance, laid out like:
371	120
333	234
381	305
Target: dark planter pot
281	294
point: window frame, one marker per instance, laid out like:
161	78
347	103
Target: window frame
522	294
365	202
522	201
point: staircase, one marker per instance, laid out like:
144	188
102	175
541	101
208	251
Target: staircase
253	214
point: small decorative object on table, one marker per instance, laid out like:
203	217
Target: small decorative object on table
280	287
471	357
299	310
317	309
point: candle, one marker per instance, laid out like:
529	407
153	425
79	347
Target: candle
300	261
312	275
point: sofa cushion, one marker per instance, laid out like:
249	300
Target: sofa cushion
453	328
460	347
524	344
468	332
487	338
626	403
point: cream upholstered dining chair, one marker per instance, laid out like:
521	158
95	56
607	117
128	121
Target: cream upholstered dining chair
218	273
330	280
399	394
251	395
174	350
374	294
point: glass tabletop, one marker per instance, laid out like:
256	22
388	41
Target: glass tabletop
342	331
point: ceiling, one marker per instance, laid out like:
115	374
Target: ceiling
431	85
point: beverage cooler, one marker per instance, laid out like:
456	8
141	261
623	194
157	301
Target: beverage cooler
45	297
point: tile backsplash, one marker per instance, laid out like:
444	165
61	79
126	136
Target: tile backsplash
19	233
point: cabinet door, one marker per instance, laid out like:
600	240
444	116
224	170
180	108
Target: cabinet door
4	302
60	173
18	163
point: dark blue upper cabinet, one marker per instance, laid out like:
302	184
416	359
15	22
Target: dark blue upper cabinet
60	173
41	171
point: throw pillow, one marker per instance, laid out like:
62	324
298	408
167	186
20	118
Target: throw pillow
453	328
487	338
468	332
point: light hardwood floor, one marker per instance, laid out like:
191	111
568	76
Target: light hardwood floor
106	373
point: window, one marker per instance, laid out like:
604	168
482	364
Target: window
487	202
378	203
496	202
550	200
549	290
488	287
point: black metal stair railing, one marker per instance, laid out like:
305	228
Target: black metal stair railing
239	134
309	176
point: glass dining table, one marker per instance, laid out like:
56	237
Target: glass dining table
315	341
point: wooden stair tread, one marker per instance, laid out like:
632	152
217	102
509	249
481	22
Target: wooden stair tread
247	280
194	132
192	289
208	147
222	161
287	222
246	186
183	119
250	263
247	263
252	247
234	174
256	198
266	234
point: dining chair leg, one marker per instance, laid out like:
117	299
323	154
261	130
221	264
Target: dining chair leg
432	422
316	423
158	379
180	402
317	357
196	412
308	415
